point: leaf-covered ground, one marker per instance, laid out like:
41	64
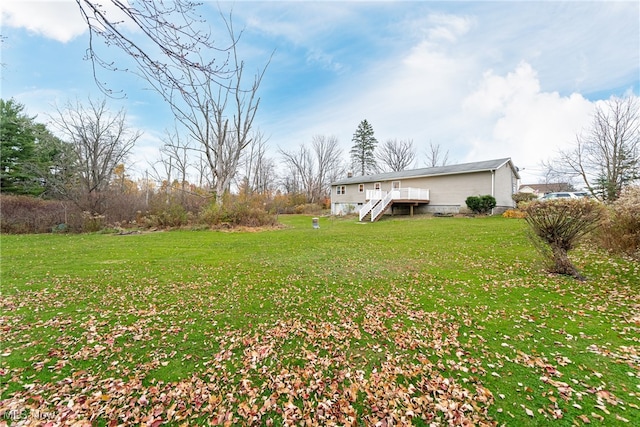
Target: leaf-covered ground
403	322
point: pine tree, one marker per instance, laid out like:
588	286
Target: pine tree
17	146
362	152
32	160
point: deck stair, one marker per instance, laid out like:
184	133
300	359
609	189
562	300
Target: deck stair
365	211
379	201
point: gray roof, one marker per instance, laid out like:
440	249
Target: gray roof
484	166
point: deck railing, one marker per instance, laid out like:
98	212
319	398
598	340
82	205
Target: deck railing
379	201
399	194
375	194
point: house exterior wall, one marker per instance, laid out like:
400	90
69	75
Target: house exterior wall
447	192
506	185
352	199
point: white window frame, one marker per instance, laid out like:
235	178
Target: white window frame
377	186
393	185
360	188
341	189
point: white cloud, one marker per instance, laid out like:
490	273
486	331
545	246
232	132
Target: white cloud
513	117
325	60
299	24
427	98
496	91
447	27
58	20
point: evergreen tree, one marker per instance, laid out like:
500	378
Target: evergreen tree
17	147
362	152
32	160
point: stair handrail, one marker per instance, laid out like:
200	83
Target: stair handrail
364	210
373	197
384	204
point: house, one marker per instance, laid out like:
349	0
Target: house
542	189
441	189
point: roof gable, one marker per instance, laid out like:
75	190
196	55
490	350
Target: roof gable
548	188
463	168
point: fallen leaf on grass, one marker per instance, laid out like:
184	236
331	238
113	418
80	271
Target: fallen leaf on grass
584	419
620	418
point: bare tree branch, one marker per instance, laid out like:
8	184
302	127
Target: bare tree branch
300	171
395	155
259	170
607	157
311	170
435	156
218	117
101	140
166	38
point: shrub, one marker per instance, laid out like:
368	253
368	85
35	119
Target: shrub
523	198
24	214
173	215
238	211
558	225
514	213
481	204
92	222
308	208
621	230
121	207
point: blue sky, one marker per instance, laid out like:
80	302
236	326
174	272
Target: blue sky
481	79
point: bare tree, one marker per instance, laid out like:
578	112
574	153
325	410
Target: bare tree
329	162
175	154
290	182
162	38
395	155
203	84
299	172
435	156
218	117
101	140
607	157
259	170
556	179
311	170
205	177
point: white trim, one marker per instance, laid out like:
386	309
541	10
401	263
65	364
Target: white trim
493	187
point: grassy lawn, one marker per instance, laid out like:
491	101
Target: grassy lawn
423	321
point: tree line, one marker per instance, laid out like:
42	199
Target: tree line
80	156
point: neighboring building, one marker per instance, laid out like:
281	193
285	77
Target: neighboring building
441	189
542	189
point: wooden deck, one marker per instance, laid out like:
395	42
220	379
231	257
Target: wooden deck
379	201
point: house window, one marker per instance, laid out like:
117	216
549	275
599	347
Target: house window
360	188
395	185
340	189
376	186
